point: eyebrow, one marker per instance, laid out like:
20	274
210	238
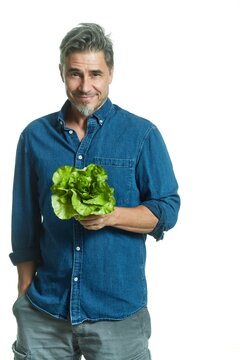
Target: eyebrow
71	70
95	71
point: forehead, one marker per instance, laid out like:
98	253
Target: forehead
89	59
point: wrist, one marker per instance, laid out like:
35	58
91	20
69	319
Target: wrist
115	217
22	288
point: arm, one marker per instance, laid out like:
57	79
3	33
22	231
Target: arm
26	272
139	219
26	216
157	183
159	203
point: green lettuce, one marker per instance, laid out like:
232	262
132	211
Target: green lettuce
81	192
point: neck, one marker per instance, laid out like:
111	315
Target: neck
76	121
74	116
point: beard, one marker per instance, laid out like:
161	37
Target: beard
84	110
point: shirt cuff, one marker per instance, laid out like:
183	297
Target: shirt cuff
24	255
158	231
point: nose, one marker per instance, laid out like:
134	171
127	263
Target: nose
85	85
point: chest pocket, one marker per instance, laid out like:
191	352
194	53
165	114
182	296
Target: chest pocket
120	177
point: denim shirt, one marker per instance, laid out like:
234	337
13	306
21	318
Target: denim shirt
82	274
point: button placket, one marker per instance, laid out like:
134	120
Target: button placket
80	156
78	246
77	269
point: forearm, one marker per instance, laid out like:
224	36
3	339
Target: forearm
138	219
26	273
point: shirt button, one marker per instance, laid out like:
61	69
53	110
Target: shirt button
75	279
100	122
80	157
70	132
78	248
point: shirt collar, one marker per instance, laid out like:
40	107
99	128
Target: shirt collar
101	114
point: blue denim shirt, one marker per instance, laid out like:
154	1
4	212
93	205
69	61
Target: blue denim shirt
81	274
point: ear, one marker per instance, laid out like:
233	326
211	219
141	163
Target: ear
111	71
61	72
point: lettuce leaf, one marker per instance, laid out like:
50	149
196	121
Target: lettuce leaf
81	192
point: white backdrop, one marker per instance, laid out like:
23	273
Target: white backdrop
177	64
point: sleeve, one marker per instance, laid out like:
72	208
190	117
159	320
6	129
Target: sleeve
157	183
26	217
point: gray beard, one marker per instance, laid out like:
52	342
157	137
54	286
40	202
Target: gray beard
84	110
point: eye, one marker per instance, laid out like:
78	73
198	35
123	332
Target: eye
96	74
75	74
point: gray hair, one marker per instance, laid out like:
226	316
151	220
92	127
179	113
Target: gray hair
87	37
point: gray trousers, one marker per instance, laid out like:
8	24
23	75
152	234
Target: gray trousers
42	337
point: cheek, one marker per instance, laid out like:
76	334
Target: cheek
71	84
104	88
70	89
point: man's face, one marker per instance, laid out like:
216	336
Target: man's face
87	78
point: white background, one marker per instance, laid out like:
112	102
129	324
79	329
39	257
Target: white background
177	64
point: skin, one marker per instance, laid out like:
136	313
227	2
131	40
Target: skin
26	271
87	78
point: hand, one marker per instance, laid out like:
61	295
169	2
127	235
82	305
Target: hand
97	222
139	220
21	293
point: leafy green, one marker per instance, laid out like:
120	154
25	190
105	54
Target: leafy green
81	192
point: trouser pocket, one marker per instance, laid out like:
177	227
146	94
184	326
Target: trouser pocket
18	301
19	352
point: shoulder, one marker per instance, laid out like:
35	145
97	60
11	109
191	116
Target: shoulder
131	118
43	122
132	123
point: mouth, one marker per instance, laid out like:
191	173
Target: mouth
85	97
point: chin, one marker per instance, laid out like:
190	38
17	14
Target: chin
83	110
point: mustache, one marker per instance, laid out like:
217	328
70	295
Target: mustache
82	93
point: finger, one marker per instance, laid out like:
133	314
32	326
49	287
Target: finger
92	217
93	220
93	227
88	222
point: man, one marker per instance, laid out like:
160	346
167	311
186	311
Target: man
82	286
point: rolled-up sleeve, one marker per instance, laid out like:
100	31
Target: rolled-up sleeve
26	218
157	182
